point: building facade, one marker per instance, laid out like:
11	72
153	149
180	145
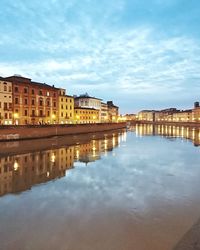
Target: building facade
86	115
66	108
113	112
33	102
6	115
104	112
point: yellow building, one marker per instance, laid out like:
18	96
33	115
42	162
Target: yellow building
196	112
66	108
146	115
86	115
5	102
182	116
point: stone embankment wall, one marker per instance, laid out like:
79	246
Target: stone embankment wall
11	133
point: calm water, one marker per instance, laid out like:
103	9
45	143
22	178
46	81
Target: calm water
135	190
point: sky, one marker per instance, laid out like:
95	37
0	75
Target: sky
142	54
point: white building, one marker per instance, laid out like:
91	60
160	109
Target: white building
86	101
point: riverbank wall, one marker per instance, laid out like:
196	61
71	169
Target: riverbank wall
28	132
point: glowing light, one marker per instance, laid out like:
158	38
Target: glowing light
53	158
16	166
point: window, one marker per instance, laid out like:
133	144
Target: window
25	90
54	104
41	113
48	113
47	93
5	87
16	89
0	104
6	115
40	92
10	89
41	102
16	100
10	115
33	112
48	103
26	101
25	112
33	102
32	91
62	114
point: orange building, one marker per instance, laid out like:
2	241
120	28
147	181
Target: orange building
33	102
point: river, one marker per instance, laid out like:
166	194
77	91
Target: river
126	190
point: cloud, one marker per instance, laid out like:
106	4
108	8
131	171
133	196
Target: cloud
79	48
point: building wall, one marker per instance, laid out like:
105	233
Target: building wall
6	114
86	115
66	108
104	117
33	103
196	114
88	102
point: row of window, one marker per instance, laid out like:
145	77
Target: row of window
33	92
41	102
7	88
66	115
66	107
6	116
6	105
87	112
33	113
66	100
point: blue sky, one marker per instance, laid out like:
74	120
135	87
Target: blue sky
139	53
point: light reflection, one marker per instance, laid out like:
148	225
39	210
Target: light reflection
39	167
170	131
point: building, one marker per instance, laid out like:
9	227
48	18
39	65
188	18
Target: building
86	101
33	102
6	115
86	115
183	116
146	115
66	108
196	112
104	112
113	112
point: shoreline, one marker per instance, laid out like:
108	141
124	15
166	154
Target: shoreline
165	123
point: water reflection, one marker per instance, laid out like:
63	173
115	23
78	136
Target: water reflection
20	172
189	133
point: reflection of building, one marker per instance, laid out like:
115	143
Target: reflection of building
86	115
66	107
33	102
169	132
5	102
21	172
